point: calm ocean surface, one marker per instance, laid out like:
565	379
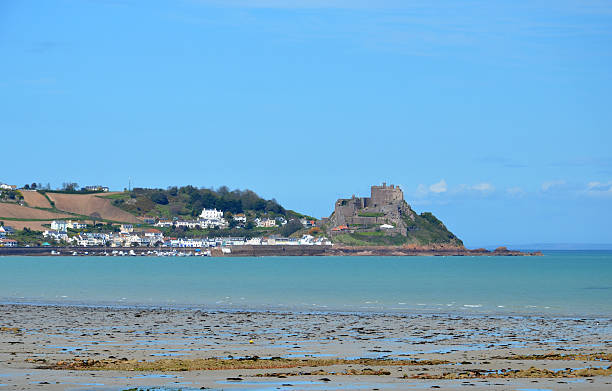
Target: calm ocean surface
559	283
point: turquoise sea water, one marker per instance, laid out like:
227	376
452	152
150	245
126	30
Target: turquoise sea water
559	283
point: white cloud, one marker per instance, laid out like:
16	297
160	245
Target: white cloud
515	191
484	187
546	186
439	187
425	190
599	188
421	191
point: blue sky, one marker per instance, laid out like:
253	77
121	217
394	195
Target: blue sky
493	115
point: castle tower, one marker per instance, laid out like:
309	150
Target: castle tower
382	195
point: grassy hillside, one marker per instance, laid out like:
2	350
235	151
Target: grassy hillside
187	202
425	229
41	207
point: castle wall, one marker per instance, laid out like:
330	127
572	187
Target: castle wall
385	200
346	208
384	194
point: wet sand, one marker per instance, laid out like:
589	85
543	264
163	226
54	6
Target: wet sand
39	345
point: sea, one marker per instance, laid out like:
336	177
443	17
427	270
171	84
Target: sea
559	283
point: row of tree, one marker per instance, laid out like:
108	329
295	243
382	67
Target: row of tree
37	186
66	186
195	199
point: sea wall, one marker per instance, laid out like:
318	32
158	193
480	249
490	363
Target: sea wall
266	251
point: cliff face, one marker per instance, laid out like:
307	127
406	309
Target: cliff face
385	218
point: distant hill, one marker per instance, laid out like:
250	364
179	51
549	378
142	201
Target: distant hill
385	218
33	209
188	201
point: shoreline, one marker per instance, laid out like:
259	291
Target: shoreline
261	251
116	349
307	312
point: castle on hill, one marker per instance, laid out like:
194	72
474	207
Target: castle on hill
385	209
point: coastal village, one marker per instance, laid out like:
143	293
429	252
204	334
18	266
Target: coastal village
94	217
149	231
129	236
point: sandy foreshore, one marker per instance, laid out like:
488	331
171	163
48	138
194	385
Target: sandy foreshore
62	347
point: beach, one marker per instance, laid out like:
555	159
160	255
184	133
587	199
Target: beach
76	347
311	323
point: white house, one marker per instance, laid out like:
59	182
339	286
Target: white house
283	241
75	225
6	230
127	228
154	235
386	226
211	214
308	223
132	240
323	241
4	186
8	243
89	241
117	240
265	223
164	223
254	241
188	242
307	240
56	235
59	225
240	218
191	224
96	188
233	241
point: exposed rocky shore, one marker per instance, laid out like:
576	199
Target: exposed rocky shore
260	251
64	347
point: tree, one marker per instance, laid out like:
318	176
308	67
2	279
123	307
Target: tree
70	186
159	198
292	226
33	186
314	231
95	216
232	223
26	186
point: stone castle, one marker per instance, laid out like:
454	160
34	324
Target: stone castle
384	208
